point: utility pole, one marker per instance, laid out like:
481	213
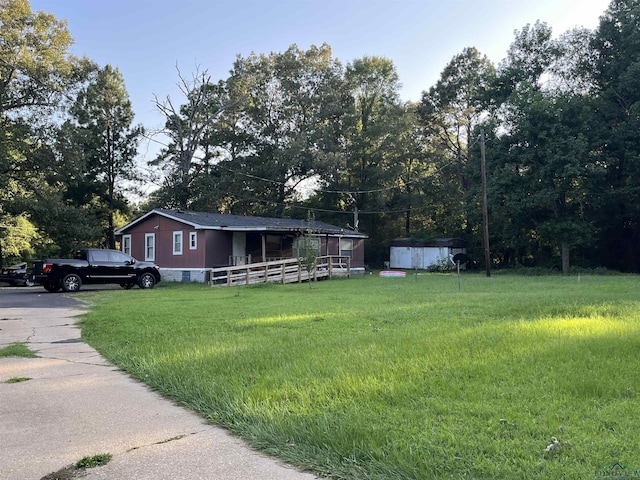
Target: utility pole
485	216
356	220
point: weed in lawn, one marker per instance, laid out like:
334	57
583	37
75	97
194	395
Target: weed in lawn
17	379
75	471
403	379
93	461
17	350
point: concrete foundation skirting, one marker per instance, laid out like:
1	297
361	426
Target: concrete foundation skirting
184	275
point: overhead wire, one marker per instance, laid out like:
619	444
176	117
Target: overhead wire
340	192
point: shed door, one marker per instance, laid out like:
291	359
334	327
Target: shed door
417	258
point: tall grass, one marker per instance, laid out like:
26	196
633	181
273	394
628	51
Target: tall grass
378	378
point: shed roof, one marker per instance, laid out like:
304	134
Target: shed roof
435	242
236	223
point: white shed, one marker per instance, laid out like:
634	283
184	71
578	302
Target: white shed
408	253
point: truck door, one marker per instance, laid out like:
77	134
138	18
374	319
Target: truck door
99	267
122	265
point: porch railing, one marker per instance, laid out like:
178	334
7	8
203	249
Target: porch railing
280	271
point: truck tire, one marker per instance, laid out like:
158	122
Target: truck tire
146	280
71	283
51	287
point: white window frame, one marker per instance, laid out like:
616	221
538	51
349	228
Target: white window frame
126	244
177	243
349	250
150	247
193	240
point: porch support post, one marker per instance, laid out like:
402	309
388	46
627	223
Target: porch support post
264	247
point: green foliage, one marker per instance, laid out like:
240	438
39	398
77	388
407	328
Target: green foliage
17	350
36	65
442	265
39	76
93	461
17	235
398	378
308	247
105	139
17	379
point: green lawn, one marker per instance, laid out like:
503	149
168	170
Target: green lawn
387	378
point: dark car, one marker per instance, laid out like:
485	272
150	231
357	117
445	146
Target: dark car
16	276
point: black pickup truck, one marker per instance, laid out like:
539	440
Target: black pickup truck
93	266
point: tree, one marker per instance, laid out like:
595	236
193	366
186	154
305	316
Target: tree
247	143
188	155
455	105
308	248
284	129
106	139
542	160
17	235
450	113
38	75
36	69
542	186
616	127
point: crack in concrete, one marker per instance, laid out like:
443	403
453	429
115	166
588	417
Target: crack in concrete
162	442
33	334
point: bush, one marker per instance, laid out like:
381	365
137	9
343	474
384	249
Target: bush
442	265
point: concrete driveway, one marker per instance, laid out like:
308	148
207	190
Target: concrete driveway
77	404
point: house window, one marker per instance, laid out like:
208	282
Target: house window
193	240
126	244
346	247
302	245
150	247
272	243
177	243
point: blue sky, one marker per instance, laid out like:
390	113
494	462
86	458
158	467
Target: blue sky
146	39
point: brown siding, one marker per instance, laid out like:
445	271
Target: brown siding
358	253
331	246
163	229
219	246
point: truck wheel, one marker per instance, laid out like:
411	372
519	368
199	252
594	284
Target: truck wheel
51	287
146	280
71	283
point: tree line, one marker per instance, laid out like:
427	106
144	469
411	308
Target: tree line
298	132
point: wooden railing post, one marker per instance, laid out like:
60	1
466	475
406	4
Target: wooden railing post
324	267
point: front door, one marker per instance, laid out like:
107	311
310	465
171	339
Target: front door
239	249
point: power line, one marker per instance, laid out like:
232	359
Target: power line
325	210
340	192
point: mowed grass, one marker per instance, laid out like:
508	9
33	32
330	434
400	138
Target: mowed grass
387	378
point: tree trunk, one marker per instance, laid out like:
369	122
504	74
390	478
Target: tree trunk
565	257
407	223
